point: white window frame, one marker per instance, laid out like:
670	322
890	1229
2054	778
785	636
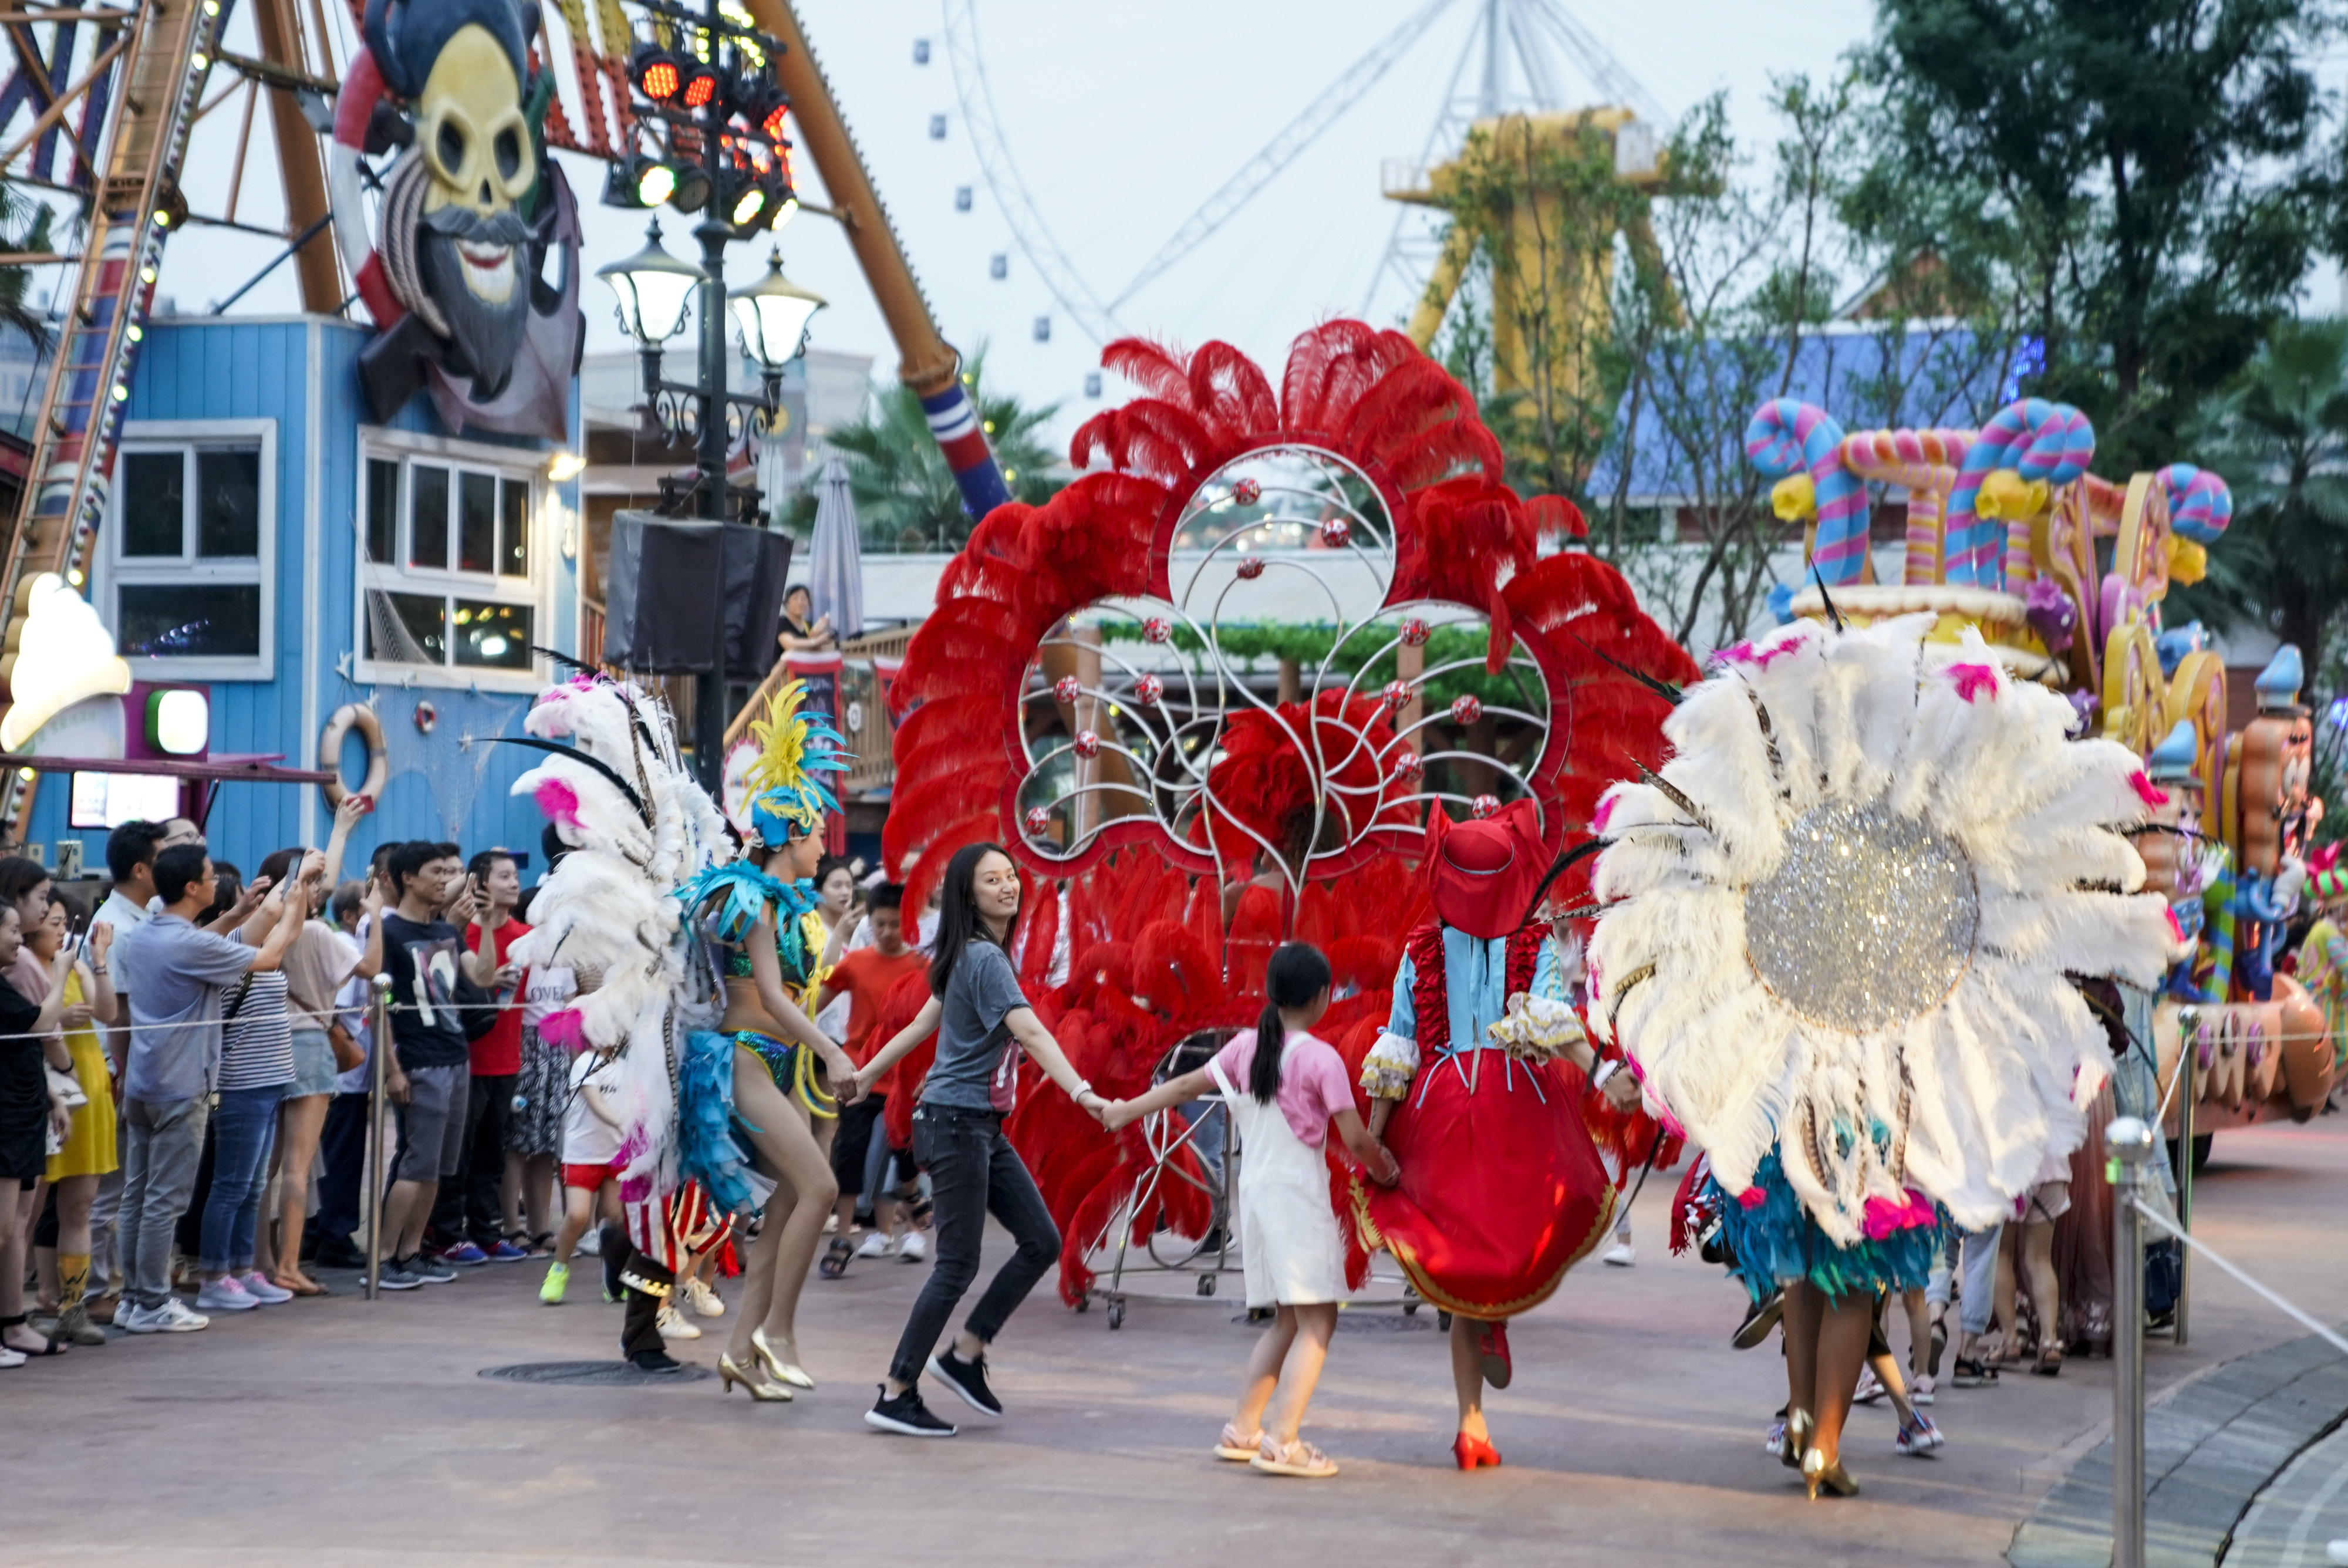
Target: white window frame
115	572
536	591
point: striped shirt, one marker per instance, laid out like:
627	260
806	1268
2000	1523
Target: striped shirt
258	1049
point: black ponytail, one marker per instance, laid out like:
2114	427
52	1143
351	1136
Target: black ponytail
1297	974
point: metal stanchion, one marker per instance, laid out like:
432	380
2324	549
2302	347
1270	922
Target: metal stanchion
2132	1144
379	1048
2188	1062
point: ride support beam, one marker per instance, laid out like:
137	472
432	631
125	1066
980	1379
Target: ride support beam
299	165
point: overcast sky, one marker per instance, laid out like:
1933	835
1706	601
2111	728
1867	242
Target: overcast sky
1120	118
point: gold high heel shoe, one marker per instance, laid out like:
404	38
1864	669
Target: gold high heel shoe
1798	1425
1833	1477
782	1371
730	1372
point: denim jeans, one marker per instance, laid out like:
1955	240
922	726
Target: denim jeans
973	1173
1977	1293
243	1127
163	1140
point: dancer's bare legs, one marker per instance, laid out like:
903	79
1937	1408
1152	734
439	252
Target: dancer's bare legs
788	1151
1843	1331
1467	1376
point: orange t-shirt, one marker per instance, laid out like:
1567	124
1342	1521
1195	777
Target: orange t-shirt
866	976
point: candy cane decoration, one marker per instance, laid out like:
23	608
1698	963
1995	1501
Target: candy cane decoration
1787	438
2199	504
2050	442
1923	462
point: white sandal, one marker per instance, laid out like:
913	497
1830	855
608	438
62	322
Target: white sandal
1298	1459
1235	1445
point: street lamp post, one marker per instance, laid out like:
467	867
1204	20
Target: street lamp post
703	72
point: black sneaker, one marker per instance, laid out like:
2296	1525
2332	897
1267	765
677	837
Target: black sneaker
967	1378
655	1361
906	1415
1759	1321
337	1253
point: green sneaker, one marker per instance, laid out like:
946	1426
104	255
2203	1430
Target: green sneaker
558	1279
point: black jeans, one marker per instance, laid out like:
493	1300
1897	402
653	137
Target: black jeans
343	1145
468	1205
973	1173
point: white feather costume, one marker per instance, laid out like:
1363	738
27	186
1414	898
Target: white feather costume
610	905
1850	902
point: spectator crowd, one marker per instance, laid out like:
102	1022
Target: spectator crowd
186	1073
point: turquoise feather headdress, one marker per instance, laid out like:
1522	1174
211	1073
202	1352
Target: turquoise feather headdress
786	793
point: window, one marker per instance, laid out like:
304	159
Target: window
187	575
447	581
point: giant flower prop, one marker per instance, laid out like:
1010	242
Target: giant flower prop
1840	918
1082	685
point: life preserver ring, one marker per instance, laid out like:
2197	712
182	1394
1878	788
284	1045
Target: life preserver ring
353	715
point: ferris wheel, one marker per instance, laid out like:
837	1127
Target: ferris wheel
1516	56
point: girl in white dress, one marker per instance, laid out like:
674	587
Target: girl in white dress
1284	1087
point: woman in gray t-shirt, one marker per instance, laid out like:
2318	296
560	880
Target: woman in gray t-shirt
977	1010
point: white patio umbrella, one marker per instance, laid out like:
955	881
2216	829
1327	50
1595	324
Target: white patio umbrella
835	575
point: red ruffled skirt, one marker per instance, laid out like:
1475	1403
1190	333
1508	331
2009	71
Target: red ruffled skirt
1501	1191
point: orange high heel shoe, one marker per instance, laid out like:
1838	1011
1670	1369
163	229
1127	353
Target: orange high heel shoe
1474	1453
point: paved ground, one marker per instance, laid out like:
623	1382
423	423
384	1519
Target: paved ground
341	1432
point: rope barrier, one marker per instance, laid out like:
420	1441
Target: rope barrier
2162	1222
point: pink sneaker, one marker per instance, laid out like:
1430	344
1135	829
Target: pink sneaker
259	1286
225	1294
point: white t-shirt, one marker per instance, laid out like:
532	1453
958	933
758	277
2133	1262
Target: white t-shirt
125	917
546	991
355	1005
587	1137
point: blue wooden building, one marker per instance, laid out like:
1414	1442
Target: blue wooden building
268	543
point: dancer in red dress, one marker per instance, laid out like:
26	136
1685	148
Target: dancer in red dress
1478	1086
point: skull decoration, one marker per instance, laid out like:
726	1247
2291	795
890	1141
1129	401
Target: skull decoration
469	210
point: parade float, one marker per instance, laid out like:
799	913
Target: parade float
2063	575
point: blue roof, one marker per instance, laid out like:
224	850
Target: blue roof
1868	375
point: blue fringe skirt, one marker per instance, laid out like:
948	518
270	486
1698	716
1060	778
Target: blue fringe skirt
1777	1243
706	1147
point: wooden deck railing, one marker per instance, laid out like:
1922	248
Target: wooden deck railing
866	664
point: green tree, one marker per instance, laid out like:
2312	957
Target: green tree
2152	166
25	226
2278	436
906	499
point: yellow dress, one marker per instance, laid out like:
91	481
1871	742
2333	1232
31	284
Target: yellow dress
90	1147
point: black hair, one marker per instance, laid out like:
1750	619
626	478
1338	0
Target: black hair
131	846
888	896
480	864
227	882
19	876
279	863
177	867
380	860
349	899
414	856
828	864
1297	973
959	924
76	912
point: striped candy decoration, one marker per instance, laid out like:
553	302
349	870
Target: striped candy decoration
1786	438
2199	504
1924	463
2050	442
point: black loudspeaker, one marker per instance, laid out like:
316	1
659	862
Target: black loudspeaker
663	575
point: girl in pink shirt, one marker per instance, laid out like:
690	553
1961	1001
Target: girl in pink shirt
1284	1088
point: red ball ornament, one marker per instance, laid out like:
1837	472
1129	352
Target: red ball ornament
1251	567
1415	633
1396	695
1334	532
1466	710
1038	821
1405	764
1148	689
1088	744
1485	805
1247	492
1157	629
1067	688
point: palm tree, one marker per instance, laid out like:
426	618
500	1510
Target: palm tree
24	227
906	498
2278	436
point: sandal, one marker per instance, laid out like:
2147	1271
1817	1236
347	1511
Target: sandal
2049	1363
51	1344
835	1258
